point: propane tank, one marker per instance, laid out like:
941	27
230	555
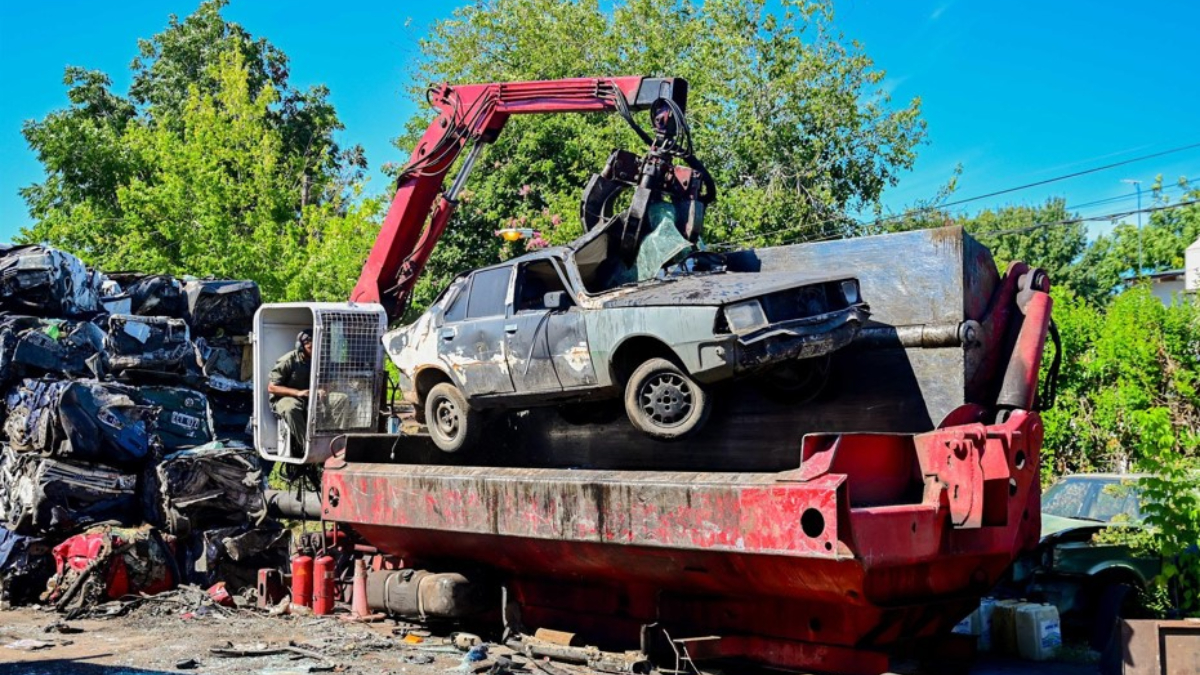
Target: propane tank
323	592
302	578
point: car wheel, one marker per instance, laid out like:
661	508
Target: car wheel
452	423
664	402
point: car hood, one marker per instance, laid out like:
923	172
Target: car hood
1054	525
715	289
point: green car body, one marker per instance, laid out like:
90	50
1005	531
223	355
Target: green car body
1069	568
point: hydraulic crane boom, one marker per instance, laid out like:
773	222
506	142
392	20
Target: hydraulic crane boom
476	114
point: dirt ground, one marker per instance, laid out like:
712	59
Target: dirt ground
144	642
154	640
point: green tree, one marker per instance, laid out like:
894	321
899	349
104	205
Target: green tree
1032	234
1118	363
1158	245
1129	398
212	165
787	114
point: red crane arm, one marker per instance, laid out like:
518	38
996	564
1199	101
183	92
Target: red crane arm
478	113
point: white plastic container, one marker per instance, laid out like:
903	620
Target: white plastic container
1039	633
987	608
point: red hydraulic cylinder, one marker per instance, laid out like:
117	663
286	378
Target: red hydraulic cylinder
323	590
302	580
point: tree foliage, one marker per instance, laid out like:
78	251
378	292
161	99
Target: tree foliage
1012	233
789	117
1129	398
211	165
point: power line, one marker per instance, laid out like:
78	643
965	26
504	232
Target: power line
829	235
1075	174
1120	198
1073	221
845	219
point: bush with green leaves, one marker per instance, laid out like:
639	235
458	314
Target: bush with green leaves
1128	399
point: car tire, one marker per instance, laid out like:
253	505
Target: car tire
664	402
453	424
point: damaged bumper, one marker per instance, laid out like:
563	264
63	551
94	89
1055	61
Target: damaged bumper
805	338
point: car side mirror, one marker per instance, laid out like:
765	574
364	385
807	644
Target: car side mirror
556	300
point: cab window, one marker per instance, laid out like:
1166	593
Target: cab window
489	289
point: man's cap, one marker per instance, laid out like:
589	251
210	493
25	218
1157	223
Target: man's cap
304	337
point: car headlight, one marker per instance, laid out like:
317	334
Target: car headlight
850	291
744	317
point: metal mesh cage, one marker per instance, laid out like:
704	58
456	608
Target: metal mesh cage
349	372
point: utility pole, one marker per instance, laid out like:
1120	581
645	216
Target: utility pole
1138	184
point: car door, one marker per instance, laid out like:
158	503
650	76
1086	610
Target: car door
474	347
547	348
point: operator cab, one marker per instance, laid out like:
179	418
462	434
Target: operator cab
347	374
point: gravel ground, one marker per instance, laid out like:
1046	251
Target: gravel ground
150	641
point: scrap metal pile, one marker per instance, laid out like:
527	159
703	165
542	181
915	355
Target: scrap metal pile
125	464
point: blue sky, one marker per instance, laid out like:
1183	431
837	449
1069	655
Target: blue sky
1015	92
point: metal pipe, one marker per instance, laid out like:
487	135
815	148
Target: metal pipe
281	504
460	180
920	336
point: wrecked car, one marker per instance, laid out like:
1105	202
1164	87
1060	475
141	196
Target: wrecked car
576	323
1091	582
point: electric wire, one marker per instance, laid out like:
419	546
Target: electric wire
1084	219
844	220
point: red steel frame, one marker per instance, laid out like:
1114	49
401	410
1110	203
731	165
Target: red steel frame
872	539
467	113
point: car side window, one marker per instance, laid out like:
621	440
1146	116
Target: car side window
458	305
489	289
536	280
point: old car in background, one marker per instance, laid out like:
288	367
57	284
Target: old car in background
1091	582
571	324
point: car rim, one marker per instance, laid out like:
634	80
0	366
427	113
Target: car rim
447	417
666	399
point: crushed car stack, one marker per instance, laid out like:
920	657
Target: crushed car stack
126	402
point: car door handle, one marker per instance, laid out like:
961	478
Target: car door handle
511	329
448	334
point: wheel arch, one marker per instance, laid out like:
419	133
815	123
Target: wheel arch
634	350
427	378
1107	574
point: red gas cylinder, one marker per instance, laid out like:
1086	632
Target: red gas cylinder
323	591
302	579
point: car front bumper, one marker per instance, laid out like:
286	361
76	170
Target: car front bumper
805	338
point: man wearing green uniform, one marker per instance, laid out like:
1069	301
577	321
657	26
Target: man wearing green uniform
288	390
